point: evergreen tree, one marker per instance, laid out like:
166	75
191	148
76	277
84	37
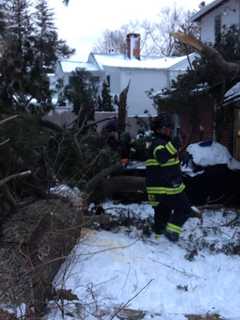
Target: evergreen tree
82	92
105	101
31	48
47	44
17	57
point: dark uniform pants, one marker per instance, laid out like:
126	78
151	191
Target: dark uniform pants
174	209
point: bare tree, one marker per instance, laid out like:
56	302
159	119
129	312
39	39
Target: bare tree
156	37
114	41
187	27
160	40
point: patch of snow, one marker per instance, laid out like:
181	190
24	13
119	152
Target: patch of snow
109	270
212	154
234	164
136	165
66	192
18	311
140	211
63	109
234	91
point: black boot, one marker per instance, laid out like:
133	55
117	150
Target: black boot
172	236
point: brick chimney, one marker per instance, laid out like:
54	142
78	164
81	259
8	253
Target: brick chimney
133	45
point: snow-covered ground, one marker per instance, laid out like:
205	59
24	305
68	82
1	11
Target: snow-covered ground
123	269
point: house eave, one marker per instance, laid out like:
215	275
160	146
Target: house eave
206	10
135	68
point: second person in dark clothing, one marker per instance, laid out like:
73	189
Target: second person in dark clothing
164	183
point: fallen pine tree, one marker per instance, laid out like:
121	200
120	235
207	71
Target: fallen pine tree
39	229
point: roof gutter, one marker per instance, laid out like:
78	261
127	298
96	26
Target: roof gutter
206	10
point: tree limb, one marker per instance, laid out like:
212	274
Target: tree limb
93	183
4	142
14	176
50	125
131	299
230	69
9	119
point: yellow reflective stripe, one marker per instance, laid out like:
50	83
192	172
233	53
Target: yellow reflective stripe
170	162
170	148
153	162
164	190
173	228
157	149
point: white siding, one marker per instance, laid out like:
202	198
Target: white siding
230	12
143	76
140	82
115	80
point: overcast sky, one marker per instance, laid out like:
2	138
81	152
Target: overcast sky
82	22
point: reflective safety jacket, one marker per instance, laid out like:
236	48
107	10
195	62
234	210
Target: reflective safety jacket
163	173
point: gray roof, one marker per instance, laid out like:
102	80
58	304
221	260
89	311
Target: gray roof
205	10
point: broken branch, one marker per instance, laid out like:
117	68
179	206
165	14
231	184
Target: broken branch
9	119
14	176
4	142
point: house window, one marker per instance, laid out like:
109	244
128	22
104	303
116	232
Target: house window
218	27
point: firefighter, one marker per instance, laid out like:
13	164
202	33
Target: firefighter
164	184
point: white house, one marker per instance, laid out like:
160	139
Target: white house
212	19
216	15
63	70
65	67
143	73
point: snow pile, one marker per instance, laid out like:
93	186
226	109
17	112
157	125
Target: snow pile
211	153
17	312
219	232
166	281
140	211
